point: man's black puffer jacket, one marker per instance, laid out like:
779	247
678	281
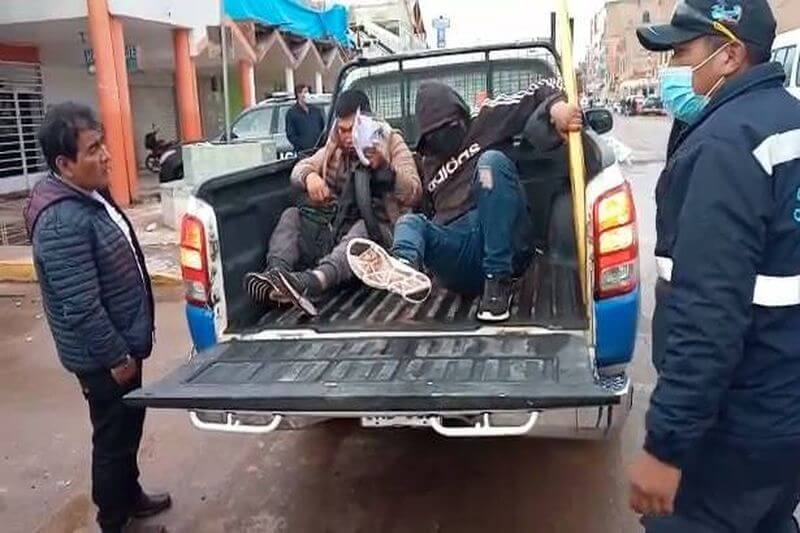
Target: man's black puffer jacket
98	303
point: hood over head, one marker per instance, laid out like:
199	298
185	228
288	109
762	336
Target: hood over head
438	104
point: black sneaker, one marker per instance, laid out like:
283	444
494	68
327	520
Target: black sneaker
495	303
259	287
293	287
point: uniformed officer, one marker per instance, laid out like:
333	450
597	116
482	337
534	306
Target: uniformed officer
722	451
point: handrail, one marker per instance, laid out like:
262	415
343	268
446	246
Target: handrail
576	157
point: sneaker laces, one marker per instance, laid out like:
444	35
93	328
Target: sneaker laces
377	270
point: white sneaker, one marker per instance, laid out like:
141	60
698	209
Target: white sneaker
378	269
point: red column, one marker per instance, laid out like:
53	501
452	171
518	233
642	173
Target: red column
108	97
128	138
185	88
247	81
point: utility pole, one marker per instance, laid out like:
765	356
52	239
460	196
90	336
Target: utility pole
223	37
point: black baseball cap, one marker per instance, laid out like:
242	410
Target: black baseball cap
751	21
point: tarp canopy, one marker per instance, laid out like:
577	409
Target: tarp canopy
293	16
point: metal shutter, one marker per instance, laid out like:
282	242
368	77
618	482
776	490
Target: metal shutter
21	114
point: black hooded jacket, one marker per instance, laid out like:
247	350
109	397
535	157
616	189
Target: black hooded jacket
449	183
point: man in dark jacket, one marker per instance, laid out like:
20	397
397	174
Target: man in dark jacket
481	234
722	451
99	303
304	123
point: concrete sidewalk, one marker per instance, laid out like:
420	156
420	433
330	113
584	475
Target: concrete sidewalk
16	264
159	243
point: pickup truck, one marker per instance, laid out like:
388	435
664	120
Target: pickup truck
556	368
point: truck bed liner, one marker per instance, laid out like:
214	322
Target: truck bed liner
547	296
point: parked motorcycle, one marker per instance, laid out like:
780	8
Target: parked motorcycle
158	148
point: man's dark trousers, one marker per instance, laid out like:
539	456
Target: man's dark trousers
738	491
117	432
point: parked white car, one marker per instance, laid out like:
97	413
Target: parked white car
786	51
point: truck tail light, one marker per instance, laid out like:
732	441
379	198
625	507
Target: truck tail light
616	244
194	265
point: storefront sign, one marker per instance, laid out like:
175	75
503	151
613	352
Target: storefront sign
132	59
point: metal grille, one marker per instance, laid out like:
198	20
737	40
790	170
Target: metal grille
385	99
13	234
21	113
473	81
511	81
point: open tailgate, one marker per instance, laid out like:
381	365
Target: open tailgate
430	374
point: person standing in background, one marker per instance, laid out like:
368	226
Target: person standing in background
304	123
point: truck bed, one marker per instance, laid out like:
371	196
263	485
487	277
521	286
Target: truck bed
547	296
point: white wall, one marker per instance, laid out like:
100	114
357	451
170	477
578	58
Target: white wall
194	14
17	184
152	98
186	13
64	76
17	11
62	83
212	109
152	102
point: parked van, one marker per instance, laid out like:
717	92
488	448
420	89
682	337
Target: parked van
786	51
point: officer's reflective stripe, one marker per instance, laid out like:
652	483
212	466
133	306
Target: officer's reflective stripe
778	149
664	268
777	292
770	291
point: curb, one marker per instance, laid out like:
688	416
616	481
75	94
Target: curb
23	271
20	271
165	279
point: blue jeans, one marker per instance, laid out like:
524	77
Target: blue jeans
493	239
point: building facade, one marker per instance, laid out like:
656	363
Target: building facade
142	64
382	27
617	65
134	62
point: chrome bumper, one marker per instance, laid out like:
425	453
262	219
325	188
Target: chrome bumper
591	422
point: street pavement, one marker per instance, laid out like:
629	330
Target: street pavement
331	478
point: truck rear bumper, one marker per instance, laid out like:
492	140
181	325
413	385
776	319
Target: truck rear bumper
588	422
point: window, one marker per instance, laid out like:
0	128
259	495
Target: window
21	113
646	17
786	56
253	125
282	111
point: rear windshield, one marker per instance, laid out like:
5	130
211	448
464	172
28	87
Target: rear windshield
392	87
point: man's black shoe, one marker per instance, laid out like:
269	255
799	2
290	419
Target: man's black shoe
258	287
295	287
495	303
152	504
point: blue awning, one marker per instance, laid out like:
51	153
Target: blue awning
293	16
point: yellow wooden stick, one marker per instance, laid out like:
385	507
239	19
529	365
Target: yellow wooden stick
576	160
